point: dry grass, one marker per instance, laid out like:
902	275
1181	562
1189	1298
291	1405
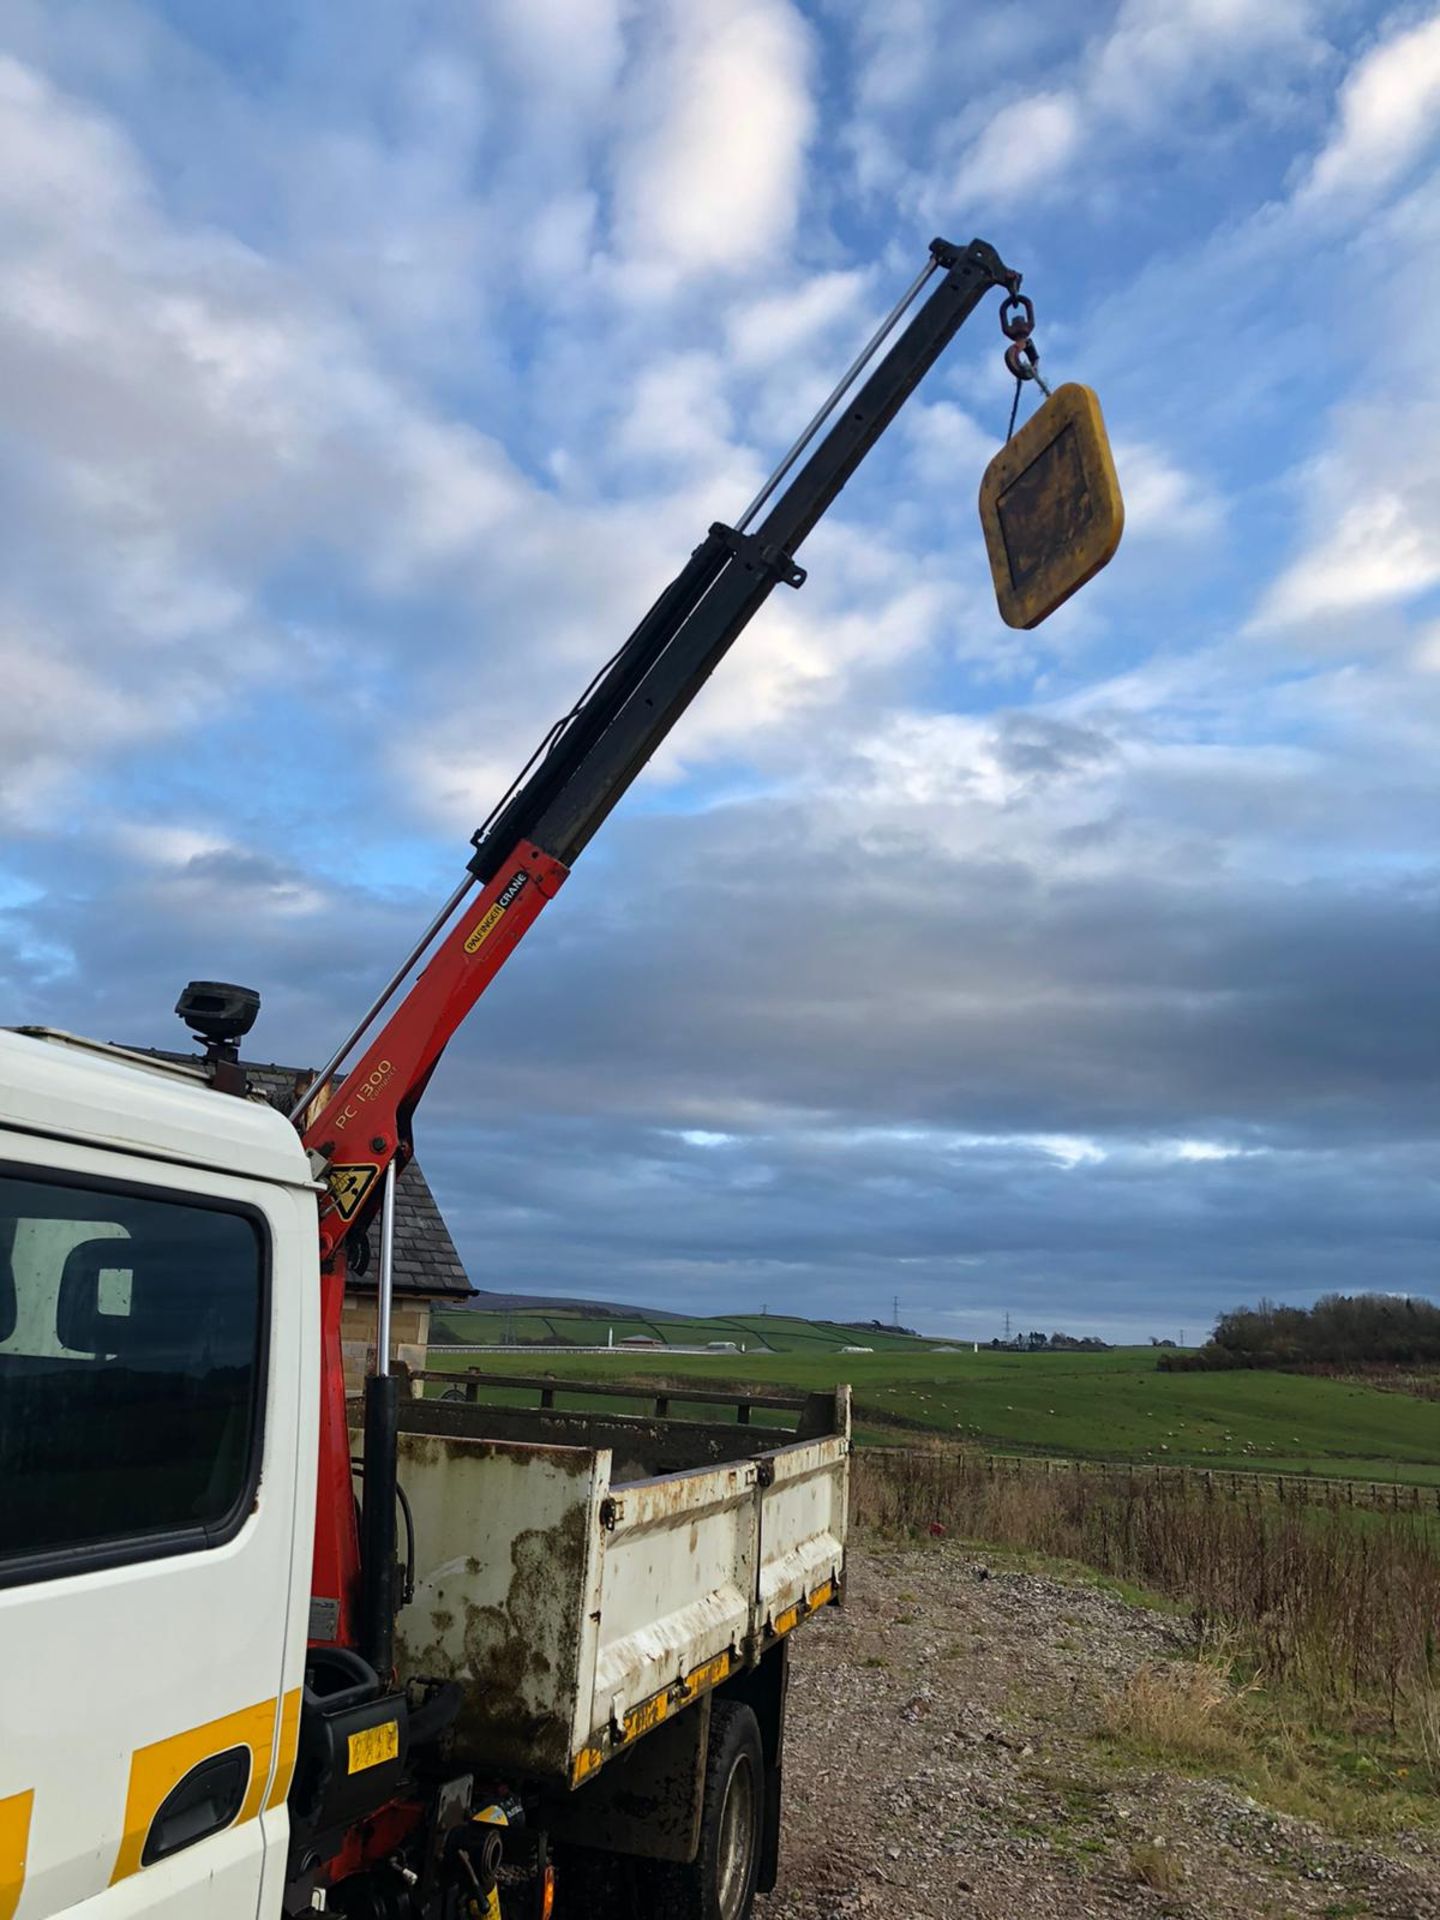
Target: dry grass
1337	1610
1154	1866
1181	1709
1422	1705
1341	1608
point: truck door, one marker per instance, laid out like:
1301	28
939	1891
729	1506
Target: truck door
154	1531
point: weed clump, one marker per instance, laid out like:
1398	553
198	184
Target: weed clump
1154	1866
1179	1709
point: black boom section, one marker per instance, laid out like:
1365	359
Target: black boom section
969	276
516	818
677	646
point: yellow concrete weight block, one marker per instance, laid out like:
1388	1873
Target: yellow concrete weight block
1051	508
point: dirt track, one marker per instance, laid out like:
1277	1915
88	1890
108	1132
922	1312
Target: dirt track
946	1722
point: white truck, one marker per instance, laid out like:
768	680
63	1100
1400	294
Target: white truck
538	1666
581	1577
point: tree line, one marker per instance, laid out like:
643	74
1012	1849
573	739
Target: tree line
1038	1342
1340	1330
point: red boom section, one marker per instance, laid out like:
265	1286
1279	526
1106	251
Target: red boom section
362	1129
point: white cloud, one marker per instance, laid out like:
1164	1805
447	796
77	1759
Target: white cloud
1162	500
1376	551
1203	1150
1025	146
711	180
949	446
241	352
1389	116
1070	1150
56	713
1369	499
763	331
1143	79
801	660
183	421
87	174
678	411
1032	789
166	844
570	50
1161	51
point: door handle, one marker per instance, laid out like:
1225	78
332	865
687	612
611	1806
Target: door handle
204	1802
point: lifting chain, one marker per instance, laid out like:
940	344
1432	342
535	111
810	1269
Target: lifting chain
1022	356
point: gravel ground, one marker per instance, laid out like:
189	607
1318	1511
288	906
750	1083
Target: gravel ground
945	1717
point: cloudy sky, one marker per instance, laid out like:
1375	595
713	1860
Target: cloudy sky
367	369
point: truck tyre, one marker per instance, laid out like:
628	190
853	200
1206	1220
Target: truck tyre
719	1884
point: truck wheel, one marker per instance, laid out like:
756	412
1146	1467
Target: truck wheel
719	1884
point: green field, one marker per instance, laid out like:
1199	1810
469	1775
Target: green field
1090	1406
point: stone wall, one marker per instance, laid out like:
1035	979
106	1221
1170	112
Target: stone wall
409	1337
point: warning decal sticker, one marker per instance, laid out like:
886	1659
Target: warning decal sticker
349	1186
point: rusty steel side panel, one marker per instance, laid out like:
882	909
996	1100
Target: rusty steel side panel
508	1543
678	1583
803	1521
580	1613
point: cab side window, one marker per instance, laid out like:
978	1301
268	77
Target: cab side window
131	1350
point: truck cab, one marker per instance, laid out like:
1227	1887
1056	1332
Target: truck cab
158	1406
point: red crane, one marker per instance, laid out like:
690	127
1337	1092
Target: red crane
360	1137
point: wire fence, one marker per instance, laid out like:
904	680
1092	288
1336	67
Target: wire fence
1297	1489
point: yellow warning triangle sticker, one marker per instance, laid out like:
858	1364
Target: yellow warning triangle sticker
349	1186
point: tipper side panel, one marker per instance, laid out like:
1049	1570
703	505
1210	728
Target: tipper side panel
803	1523
507	1539
679	1584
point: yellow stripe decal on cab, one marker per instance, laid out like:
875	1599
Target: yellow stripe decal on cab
14	1842
289	1742
155	1769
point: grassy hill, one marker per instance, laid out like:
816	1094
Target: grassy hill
1092	1406
768	1332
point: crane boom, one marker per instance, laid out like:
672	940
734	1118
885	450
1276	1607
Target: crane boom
525	851
522	857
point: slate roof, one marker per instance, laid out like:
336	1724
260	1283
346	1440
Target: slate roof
426	1263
